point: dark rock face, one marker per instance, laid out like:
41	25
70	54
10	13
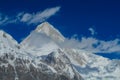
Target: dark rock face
60	63
19	70
32	74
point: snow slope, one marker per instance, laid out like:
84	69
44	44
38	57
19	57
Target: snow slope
94	67
39	44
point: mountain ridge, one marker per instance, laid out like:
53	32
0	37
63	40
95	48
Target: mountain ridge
41	57
18	63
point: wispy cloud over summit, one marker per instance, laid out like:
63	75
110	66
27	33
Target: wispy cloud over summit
3	19
38	17
29	18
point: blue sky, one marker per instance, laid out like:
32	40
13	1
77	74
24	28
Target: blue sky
92	19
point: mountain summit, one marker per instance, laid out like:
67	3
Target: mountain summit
45	38
50	31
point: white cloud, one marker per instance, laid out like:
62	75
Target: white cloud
29	18
3	19
109	46
93	45
92	31
39	16
26	17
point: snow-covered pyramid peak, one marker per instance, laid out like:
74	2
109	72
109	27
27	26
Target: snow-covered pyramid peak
50	31
45	38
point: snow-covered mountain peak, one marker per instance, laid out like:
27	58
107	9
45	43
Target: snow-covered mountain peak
7	40
44	38
45	26
50	31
